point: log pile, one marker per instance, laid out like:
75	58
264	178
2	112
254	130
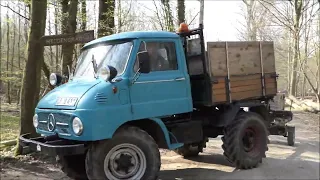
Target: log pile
302	104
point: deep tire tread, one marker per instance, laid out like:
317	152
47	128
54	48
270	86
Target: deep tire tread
70	168
231	150
130	131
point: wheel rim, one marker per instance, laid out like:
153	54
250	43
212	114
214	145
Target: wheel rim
250	140
125	161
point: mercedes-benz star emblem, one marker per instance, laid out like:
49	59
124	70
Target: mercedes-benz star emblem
51	122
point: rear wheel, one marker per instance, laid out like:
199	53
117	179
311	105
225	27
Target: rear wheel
245	140
73	166
130	154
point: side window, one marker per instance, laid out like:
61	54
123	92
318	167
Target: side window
162	55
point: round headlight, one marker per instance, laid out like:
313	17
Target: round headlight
77	126
104	73
53	79
35	121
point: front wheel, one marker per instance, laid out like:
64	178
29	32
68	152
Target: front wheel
130	154
73	166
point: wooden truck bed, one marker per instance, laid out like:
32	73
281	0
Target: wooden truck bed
241	70
237	71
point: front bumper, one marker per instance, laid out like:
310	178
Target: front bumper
51	145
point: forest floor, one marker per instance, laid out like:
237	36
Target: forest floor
282	162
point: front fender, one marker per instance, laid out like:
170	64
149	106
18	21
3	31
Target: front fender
155	128
165	131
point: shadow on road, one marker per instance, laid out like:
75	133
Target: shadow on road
211	159
209	167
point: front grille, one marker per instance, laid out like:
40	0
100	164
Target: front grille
62	125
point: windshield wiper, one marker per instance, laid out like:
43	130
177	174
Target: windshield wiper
94	63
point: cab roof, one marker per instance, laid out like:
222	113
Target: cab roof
134	35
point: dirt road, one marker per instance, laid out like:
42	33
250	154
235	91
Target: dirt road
282	162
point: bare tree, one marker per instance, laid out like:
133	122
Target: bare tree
294	23
8	56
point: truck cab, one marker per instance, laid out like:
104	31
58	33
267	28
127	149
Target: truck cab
107	88
135	92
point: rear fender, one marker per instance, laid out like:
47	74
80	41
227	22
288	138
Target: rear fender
232	110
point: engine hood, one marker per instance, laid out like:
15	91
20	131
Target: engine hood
73	89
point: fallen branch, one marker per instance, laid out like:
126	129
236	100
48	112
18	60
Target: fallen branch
8	143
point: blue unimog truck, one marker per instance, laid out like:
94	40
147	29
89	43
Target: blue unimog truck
135	92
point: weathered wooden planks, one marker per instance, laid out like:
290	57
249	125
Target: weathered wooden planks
243	87
249	66
243	57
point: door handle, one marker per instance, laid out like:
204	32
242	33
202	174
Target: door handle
180	79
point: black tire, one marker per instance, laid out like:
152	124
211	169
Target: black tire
236	150
291	136
132	136
73	166
189	150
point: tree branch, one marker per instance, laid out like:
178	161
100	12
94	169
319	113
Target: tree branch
6	6
283	23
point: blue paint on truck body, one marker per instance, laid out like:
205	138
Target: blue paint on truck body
102	110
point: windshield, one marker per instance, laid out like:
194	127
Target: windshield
115	55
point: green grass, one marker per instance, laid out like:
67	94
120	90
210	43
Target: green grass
9	127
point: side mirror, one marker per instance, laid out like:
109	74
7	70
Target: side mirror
144	62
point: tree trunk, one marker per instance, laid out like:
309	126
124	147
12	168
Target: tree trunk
318	71
50	47
56	32
27	9
12	55
69	27
251	24
19	38
83	15
1	84
8	56
106	17
168	15
32	73
296	38
181	11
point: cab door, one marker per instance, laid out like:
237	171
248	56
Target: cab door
163	91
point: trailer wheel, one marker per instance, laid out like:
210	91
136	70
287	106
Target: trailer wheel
245	140
73	166
130	154
189	150
291	135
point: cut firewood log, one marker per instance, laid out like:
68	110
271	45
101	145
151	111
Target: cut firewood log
301	104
